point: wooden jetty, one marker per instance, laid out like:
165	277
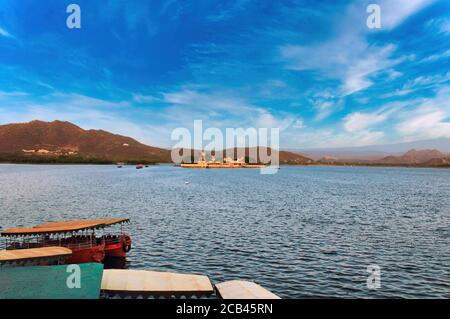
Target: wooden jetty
239	289
154	284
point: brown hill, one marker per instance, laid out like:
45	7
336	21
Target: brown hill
438	162
412	157
46	140
294	158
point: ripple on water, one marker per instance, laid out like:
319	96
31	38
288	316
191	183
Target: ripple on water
304	232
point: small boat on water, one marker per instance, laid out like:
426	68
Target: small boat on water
120	165
40	273
140	166
77	235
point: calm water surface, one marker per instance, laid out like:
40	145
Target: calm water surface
304	232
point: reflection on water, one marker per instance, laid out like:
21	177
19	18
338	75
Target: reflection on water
304	232
116	263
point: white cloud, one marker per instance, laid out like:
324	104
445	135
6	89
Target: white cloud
324	109
393	13
331	138
228	11
440	25
5	33
431	125
140	98
359	121
4	94
428	81
358	74
421	82
430	119
87	102
347	56
438	56
206	101
268	120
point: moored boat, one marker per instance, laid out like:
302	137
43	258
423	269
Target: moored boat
140	166
77	235
115	245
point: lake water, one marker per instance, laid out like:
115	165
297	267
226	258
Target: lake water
304	232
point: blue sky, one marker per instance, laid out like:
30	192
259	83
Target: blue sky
313	69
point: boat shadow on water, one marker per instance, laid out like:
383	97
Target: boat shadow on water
116	263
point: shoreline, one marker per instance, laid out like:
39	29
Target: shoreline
50	163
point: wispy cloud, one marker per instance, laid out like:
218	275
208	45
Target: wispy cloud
437	56
140	98
440	25
430	119
359	121
12	94
5	33
228	10
348	56
207	101
395	12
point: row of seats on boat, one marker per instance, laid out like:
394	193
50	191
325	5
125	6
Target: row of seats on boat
77	239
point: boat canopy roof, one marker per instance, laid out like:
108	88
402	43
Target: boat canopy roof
64	227
69	223
7	256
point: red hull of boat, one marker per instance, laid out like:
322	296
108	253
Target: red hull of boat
94	254
118	248
115	250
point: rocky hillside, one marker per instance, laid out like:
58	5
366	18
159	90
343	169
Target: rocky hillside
38	140
414	157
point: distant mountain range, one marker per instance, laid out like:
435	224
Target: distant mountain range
414	157
64	142
373	152
47	142
426	158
